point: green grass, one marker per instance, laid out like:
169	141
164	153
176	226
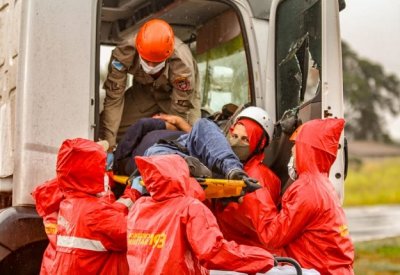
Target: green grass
373	181
370	182
380	257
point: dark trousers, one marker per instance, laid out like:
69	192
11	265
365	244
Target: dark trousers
137	139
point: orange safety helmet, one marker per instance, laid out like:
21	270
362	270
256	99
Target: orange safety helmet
155	41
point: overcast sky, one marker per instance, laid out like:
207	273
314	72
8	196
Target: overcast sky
372	29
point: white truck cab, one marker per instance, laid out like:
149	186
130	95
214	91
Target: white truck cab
281	55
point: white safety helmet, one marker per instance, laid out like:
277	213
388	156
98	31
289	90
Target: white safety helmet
260	116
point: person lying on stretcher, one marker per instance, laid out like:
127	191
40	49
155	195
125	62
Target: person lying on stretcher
149	131
238	155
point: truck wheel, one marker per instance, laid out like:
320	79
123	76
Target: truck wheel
22	240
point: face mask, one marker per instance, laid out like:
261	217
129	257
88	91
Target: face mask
292	168
150	69
241	149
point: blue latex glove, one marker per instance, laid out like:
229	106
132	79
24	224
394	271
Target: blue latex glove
137	186
110	161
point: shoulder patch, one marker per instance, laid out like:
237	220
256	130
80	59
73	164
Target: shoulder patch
182	83
117	65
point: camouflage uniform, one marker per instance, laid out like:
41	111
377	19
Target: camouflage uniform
175	91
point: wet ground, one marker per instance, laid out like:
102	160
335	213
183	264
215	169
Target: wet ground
365	223
373	222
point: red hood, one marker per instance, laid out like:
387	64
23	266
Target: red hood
254	132
47	197
81	166
317	142
167	176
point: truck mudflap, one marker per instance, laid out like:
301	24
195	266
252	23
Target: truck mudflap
22	240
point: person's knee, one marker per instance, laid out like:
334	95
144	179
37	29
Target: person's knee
203	125
136	128
204	122
145	120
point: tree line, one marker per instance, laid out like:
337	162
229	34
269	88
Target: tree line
370	93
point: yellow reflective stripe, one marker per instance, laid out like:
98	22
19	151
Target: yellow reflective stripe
50	228
126	201
343	230
157	240
82	243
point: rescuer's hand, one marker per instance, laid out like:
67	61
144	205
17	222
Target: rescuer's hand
110	161
251	184
138	186
236	174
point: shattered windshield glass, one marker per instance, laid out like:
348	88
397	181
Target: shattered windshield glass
298	53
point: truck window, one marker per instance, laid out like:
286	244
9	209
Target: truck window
298	53
224	78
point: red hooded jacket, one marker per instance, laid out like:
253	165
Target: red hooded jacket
311	225
91	237
48	198
232	219
172	232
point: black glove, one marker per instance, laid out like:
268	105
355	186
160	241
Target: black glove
197	169
236	174
251	184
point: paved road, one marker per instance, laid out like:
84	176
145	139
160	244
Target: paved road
373	222
365	223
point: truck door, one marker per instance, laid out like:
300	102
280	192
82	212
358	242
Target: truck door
55	87
52	89
304	71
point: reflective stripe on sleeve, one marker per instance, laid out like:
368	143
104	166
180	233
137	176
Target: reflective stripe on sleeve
82	243
126	201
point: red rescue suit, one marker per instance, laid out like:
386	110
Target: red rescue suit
232	219
91	237
311	225
172	232
48	197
